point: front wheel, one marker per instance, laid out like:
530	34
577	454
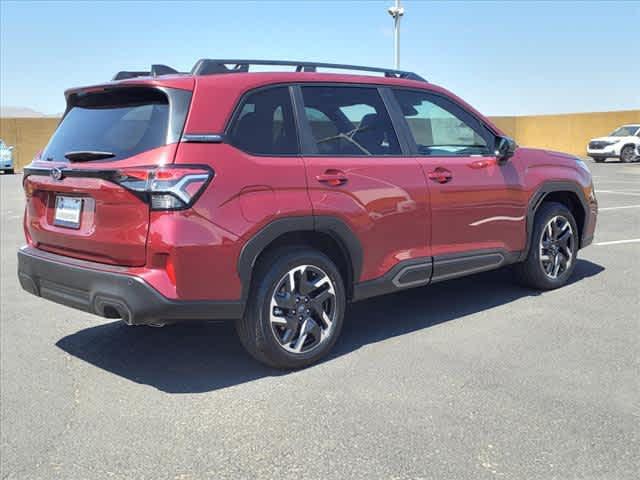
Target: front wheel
628	154
553	251
295	310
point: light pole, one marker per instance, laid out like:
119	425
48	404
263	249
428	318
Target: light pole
396	12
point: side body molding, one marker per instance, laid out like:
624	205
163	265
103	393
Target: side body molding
427	270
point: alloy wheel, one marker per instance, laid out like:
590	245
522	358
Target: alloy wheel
627	154
303	309
557	246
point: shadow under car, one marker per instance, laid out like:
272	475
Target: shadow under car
196	357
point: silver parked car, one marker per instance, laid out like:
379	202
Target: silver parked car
6	157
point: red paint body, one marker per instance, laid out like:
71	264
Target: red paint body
396	206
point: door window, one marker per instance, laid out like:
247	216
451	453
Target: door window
349	121
442	128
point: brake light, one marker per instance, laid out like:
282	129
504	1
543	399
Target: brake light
166	188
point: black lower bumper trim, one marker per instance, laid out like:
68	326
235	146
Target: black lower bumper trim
110	294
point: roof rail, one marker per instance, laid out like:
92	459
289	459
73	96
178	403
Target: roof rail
209	67
156	70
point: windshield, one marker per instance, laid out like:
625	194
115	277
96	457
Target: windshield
122	122
626	131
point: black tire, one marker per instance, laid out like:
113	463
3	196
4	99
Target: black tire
531	273
255	329
598	159
627	154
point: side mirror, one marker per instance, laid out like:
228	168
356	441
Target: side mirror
505	148
11	148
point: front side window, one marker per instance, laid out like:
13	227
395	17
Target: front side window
265	124
442	128
349	121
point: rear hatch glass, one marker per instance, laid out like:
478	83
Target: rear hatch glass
82	213
122	121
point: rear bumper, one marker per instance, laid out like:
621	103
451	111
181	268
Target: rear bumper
110	294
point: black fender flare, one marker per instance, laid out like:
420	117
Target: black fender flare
333	226
538	197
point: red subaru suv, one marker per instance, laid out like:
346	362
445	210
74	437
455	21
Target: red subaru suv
274	198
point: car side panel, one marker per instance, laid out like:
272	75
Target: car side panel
247	192
384	202
482	207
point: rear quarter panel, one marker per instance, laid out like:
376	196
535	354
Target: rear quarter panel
247	193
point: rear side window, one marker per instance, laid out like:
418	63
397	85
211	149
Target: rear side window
265	124
349	121
124	122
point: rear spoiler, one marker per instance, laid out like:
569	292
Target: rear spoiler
156	70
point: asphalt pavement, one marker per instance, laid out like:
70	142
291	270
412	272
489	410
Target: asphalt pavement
469	379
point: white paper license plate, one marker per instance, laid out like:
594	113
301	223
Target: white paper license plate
68	210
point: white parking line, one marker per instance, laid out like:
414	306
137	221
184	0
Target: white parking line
635	194
628	182
617	208
617	242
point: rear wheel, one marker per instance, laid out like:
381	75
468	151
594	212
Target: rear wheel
295	310
553	251
627	154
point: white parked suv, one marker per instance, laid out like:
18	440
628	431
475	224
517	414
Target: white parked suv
622	143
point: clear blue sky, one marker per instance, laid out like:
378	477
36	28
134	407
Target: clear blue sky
511	57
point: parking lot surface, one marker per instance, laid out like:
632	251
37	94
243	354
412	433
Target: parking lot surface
469	379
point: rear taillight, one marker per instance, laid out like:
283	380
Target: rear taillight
166	188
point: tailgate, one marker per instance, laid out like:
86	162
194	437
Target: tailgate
111	224
86	193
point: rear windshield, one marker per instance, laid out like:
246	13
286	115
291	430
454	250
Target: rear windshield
124	122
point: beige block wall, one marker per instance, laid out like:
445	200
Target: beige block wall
567	132
27	135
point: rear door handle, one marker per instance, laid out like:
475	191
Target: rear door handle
440	175
333	178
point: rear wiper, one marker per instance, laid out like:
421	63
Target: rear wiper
87	156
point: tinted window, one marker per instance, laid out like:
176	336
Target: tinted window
441	128
349	121
265	124
321	125
124	122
